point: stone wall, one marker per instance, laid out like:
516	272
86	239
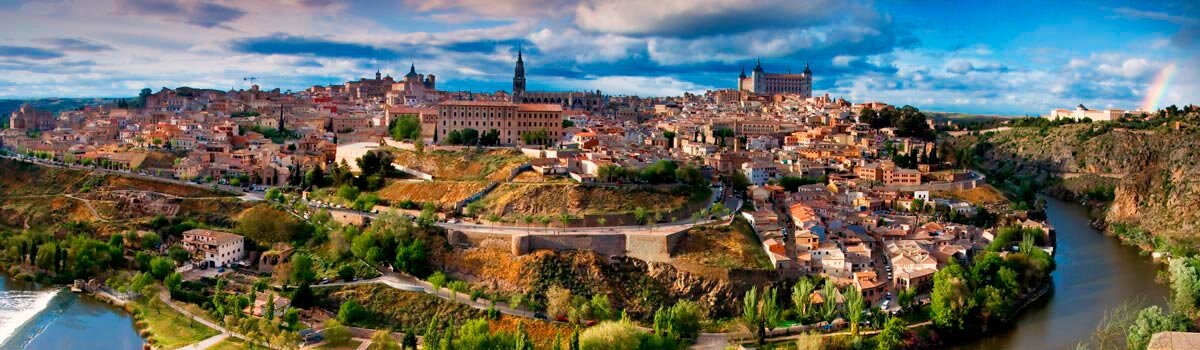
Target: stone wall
653	247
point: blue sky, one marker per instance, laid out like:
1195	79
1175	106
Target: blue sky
1011	57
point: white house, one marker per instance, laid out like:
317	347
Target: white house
219	248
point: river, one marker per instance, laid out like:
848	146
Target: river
1094	274
36	316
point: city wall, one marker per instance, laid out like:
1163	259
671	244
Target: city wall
652	247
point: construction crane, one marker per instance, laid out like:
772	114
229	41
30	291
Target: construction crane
250	79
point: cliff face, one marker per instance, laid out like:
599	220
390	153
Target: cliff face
1152	177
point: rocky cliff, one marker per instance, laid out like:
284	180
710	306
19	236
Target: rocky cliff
1147	178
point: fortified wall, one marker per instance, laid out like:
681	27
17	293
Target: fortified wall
652	247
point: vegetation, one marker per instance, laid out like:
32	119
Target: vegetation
170	328
734	246
987	294
760	313
908	121
406	127
276	135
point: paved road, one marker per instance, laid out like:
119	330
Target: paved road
206	343
412	284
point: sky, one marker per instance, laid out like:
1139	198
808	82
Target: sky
995	57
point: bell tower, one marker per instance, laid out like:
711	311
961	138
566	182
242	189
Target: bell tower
518	76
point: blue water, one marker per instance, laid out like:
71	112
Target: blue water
35	316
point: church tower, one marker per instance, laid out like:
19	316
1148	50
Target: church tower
758	79
518	76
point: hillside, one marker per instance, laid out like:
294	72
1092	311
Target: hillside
465	164
33	195
1146	178
517	199
53	105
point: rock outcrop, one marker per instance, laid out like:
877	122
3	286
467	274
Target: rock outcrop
1154	174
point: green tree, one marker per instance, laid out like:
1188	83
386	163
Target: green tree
173	282
892	336
1185	283
347	192
523	342
161	267
269	313
610	335
994	305
686	317
760	313
345	272
1149	321
641	215
179	254
335	332
383	340
829	300
301	272
406	127
951	302
854	308
905	298
802	296
350	312
573	344
411	258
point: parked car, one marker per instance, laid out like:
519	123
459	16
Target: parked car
539	316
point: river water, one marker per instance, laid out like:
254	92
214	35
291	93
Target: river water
41	317
1094	274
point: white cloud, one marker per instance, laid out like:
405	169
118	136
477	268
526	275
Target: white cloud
843	60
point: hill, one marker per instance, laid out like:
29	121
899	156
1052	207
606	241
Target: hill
1144	176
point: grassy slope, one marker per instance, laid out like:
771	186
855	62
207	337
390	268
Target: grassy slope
171	329
725	247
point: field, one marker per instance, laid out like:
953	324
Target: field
724	247
469	164
171	329
441	192
552	199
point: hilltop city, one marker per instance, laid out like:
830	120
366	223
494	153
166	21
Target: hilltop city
385	210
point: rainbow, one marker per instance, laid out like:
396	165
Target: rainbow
1158	88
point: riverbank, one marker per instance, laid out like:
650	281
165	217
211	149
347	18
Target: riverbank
1094	274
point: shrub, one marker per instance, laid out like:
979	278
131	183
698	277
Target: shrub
610	335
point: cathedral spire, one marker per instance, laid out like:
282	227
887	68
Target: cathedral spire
519	74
